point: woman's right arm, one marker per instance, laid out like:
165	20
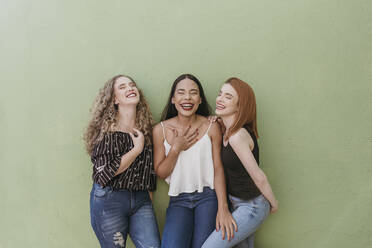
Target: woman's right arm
108	163
164	165
128	158
240	142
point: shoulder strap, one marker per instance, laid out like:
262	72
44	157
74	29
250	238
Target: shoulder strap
162	125
210	124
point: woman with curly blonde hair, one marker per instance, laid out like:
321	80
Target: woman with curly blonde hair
118	139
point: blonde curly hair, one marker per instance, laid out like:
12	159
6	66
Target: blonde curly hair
104	115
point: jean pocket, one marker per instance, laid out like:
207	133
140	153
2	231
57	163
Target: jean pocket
100	192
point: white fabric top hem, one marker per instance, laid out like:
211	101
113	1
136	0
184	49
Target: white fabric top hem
199	190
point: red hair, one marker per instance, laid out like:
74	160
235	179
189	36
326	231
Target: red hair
246	114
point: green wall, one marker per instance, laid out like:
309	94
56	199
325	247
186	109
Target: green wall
309	62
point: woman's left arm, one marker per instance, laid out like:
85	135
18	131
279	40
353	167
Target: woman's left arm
224	219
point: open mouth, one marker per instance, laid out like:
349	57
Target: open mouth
131	95
219	106
187	106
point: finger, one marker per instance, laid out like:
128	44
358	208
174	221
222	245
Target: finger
193	135
231	231
217	226
191	142
235	225
138	131
228	233
223	232
212	118
175	132
187	130
132	135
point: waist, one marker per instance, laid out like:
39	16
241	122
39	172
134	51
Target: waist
197	194
111	188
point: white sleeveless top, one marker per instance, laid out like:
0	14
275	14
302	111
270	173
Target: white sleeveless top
194	167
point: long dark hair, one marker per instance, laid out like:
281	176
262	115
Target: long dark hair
170	110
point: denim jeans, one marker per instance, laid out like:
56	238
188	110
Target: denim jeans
190	219
115	213
248	215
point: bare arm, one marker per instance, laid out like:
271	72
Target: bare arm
240	142
224	219
164	165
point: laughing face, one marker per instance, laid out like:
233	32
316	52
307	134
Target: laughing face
227	101
186	97
126	92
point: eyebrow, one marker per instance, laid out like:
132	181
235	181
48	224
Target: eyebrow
123	84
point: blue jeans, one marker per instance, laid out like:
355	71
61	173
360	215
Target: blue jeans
248	215
115	213
191	218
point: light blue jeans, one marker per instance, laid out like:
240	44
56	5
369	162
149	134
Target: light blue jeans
248	215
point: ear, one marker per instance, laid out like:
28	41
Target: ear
172	100
116	100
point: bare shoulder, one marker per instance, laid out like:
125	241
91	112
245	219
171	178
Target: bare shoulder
157	128
215	128
170	123
241	137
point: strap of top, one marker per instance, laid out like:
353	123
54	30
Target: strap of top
163	129
210	124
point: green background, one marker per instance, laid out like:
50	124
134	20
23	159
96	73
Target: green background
309	62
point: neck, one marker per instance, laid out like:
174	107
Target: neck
185	121
228	121
126	117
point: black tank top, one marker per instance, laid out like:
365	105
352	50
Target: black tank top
238	181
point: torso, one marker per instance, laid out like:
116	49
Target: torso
201	124
194	168
238	181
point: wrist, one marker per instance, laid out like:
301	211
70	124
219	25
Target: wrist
175	149
223	207
137	150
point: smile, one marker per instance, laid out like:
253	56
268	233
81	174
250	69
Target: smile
187	106
131	95
220	106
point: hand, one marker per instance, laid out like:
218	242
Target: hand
184	141
138	140
151	194
274	207
213	118
225	221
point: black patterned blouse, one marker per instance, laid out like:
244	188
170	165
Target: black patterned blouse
106	157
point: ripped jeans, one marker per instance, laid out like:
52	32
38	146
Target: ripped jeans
117	213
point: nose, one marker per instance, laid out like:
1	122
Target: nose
187	96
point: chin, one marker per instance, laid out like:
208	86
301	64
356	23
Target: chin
218	112
186	113
132	101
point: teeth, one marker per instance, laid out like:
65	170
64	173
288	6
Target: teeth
132	94
187	105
